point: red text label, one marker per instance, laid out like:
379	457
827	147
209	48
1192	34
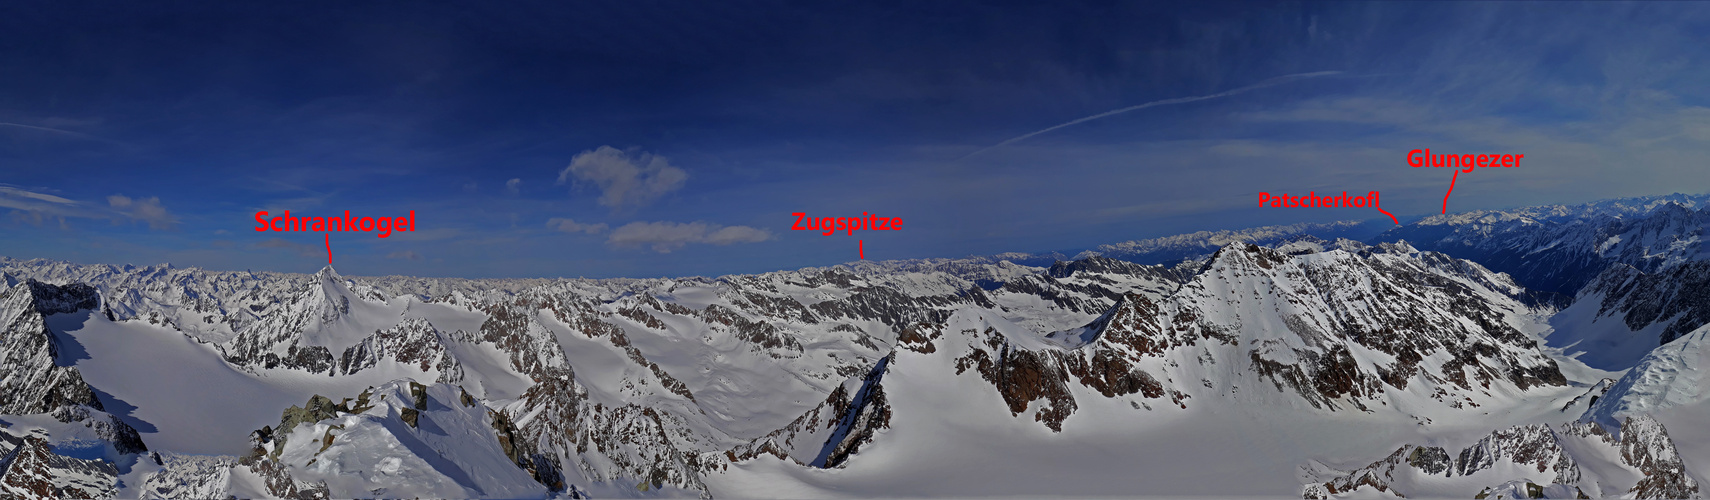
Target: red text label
1313	200
383	226
1424	158
866	222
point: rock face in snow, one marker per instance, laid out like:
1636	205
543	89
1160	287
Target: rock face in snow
33	381
1645	446
303	335
189	476
1335	331
346	447
1676	298
1571	460
31	470
830	433
32	376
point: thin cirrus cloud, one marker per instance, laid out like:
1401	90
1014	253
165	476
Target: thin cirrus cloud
665	236
34	207
625	181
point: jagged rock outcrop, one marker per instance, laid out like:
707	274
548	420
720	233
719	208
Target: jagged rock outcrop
31	470
33	378
832	432
456	451
1542	460
191	476
1645	446
559	426
1330	330
1676	296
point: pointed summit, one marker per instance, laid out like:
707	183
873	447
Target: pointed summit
333	295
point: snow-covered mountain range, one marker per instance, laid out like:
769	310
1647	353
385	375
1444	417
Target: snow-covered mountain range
1542	351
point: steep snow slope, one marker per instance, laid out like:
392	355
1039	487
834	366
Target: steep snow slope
1670	376
1625	312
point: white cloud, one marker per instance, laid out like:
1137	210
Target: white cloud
512	186
625	181
737	234
571	226
143	209
663	236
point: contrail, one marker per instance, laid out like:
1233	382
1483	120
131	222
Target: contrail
1179	100
44	129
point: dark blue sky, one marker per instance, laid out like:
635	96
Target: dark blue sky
133	133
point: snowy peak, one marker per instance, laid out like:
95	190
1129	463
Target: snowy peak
326	315
1337	325
333	299
1386	328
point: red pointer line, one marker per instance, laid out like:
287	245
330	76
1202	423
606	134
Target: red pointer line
1451	191
329	249
1391	216
859	250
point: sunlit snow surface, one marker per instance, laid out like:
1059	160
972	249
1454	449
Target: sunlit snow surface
178	393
